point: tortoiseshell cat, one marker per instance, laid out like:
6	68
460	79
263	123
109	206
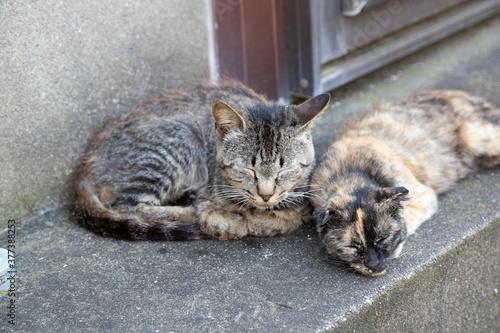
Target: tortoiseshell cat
164	171
379	181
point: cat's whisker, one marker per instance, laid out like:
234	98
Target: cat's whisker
287	205
224	192
235	201
247	204
244	203
317	187
312	191
213	186
307	195
400	255
240	204
298	187
291	203
306	189
228	194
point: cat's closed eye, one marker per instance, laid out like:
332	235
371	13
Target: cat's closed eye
354	248
288	174
251	172
382	239
238	175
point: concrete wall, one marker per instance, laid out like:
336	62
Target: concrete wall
66	65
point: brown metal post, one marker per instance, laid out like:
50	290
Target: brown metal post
250	43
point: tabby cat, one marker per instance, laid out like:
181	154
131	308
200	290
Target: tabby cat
173	170
379	181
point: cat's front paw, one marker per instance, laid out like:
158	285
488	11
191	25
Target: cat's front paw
272	222
224	225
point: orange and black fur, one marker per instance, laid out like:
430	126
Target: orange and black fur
379	181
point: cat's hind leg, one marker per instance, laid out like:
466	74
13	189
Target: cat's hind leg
160	163
480	136
171	213
182	223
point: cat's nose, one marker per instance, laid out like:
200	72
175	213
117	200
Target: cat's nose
265	191
373	262
265	197
374	265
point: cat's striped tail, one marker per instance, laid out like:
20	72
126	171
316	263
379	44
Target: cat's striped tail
147	223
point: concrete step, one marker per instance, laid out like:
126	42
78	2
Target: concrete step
70	280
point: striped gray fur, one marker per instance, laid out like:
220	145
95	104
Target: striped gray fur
178	169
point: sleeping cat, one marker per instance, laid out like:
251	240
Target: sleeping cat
173	170
379	181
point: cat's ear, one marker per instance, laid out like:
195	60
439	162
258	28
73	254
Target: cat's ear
227	118
308	111
324	214
390	194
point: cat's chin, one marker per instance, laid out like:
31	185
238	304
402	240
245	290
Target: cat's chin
265	206
367	271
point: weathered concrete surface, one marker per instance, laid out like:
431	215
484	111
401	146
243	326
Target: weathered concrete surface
70	280
456	293
66	65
